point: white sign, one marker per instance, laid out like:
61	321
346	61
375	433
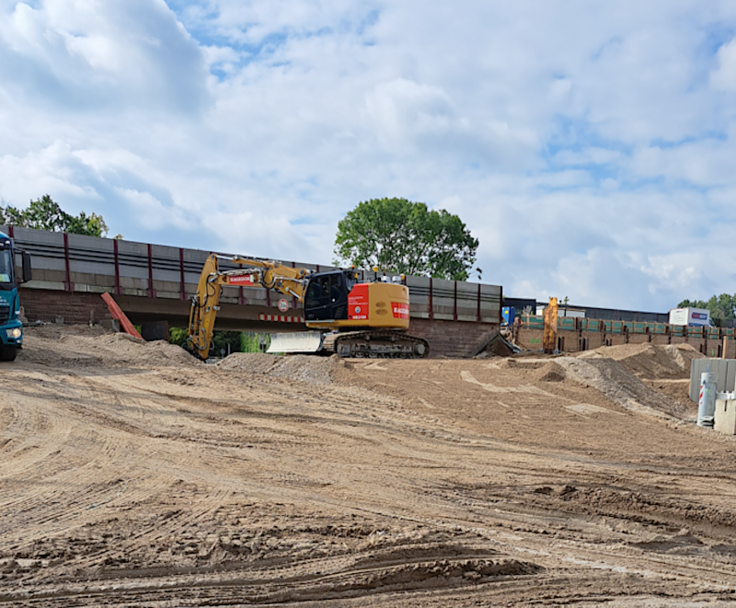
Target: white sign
283	305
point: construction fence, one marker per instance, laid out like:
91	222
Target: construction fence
578	334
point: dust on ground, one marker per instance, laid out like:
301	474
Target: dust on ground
134	475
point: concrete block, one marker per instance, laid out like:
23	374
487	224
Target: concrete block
725	368
725	416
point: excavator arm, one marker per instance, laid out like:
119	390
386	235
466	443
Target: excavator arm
255	273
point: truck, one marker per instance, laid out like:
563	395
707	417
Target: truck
690	317
11	327
346	317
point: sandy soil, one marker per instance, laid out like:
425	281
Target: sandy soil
133	475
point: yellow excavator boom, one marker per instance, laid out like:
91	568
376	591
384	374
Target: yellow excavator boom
206	302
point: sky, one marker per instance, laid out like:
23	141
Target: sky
589	146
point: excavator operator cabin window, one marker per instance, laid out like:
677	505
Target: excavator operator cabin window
335	287
350	281
324	283
315	294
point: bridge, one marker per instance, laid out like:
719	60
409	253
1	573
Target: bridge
155	283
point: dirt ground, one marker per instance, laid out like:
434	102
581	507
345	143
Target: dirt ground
133	475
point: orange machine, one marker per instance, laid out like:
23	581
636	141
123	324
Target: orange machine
351	319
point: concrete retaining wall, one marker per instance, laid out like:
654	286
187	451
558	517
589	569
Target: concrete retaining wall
451	338
71	308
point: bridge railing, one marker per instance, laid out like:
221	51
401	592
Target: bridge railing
78	263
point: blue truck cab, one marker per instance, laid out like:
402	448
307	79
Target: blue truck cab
11	327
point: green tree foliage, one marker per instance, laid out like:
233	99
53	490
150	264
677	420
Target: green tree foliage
225	342
720	307
178	336
693	304
220	340
251	342
404	237
46	214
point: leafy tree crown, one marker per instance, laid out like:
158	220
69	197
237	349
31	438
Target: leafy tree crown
720	307
400	236
46	214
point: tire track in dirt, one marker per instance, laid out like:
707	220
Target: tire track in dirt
218	487
427	567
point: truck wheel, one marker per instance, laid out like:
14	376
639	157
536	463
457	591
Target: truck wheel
8	353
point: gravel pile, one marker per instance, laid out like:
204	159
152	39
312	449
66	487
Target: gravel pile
621	386
301	368
650	361
83	346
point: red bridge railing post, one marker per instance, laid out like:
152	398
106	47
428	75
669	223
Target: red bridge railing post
151	290
431	303
479	303
182	287
454	304
117	266
68	282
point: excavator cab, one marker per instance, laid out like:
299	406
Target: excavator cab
327	295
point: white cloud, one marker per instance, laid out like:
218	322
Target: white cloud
87	55
589	156
587	145
724	77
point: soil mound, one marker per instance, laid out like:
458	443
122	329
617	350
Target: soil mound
54	331
83	346
617	383
302	368
523	363
550	372
650	361
127	349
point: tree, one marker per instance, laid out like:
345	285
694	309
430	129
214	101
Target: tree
692	304
46	214
720	307
404	237
225	342
220	340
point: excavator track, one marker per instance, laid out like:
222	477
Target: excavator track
375	344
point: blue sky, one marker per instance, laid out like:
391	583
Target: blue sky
588	145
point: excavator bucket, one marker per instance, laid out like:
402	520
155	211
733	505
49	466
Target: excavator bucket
296	342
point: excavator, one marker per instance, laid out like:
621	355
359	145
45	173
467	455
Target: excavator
345	316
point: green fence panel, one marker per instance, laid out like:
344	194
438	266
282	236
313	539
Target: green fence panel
534	322
566	323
